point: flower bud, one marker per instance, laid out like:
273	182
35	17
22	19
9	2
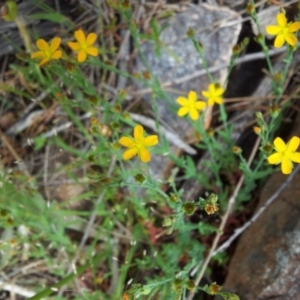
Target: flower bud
277	77
117	108
190	284
173	198
190	33
259	115
257	130
212	199
146	75
126	4
140	178
177	285
236	150
274	111
115	146
189	208
167	222
9	11
210	131
236	49
126	296
250	9
105	130
267	148
4	213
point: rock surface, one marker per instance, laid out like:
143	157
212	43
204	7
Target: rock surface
177	66
266	261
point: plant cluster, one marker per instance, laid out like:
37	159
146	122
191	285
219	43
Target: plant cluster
127	196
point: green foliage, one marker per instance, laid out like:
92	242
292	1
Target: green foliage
142	230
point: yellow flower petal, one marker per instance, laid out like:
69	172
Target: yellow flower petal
55	44
192	97
93	51
39	54
138	132
183	111
74	46
279	41
129	153
281	20
291	39
81	56
293	144
56	55
182	101
211	101
42	45
286	166
219	91
275	159
294	27
45	60
194	115
219	100
280	145
295	157
212	88
205	94
91	38
273	29
126	141
144	155
200	105
79	36
150	140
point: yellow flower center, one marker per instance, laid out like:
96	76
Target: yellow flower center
286	154
191	105
284	30
83	45
139	144
48	53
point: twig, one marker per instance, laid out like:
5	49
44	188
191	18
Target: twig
246	58
45	175
240	230
16	156
173	138
13	288
231	203
60	128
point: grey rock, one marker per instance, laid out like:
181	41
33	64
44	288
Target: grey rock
179	59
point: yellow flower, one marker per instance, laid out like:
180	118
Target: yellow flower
285	154
137	144
190	106
84	45
284	31
213	94
47	52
